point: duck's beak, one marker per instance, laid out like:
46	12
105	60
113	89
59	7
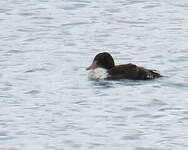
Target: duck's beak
92	66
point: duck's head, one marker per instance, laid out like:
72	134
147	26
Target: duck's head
102	60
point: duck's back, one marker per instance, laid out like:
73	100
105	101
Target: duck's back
131	71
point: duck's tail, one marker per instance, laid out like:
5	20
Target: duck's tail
155	73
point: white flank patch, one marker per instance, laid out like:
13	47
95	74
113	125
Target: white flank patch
150	76
97	74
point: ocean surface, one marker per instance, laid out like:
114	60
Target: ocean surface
47	101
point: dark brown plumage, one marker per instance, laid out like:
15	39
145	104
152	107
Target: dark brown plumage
125	71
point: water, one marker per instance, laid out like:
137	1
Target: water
46	99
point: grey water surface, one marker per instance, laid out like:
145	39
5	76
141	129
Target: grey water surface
47	101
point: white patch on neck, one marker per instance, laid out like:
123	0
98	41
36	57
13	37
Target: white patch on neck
97	74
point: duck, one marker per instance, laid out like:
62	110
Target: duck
103	67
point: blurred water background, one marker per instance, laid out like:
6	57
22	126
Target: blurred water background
46	99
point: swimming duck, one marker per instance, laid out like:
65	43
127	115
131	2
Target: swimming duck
103	67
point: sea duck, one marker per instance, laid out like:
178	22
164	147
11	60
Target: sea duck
103	67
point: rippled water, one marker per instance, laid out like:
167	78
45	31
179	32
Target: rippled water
46	99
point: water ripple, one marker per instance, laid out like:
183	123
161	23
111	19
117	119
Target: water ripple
47	101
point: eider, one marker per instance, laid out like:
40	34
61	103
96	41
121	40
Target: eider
103	67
